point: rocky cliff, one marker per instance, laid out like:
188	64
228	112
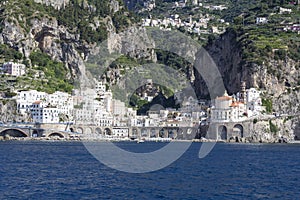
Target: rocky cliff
44	31
277	78
8	112
31	26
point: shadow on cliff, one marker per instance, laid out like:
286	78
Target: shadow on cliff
297	131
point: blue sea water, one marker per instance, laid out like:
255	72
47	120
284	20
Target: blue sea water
65	170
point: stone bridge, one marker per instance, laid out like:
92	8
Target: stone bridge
230	130
136	132
25	130
217	131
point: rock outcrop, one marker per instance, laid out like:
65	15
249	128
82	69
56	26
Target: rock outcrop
281	129
8	110
134	42
278	79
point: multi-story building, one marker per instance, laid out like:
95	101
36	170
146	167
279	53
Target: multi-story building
14	69
246	103
40	105
226	109
118	108
26	98
120	132
254	103
43	113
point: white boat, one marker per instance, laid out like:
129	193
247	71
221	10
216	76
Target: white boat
140	141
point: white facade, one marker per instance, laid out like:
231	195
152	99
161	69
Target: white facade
14	69
38	104
26	98
284	10
120	132
254	103
118	108
42	113
227	109
105	122
190	105
63	101
261	20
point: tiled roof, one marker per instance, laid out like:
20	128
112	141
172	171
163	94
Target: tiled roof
224	98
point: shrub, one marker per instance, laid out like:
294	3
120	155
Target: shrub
273	127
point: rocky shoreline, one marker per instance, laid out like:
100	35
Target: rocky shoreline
202	140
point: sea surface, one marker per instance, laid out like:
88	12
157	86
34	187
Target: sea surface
66	170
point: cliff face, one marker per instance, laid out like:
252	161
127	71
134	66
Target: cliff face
278	79
8	112
133	42
45	34
42	31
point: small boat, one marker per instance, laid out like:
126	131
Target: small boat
140	141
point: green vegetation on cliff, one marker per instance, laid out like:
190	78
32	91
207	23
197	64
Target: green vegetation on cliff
88	19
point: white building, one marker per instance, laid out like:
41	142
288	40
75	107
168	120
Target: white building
14	69
33	102
190	104
254	103
120	132
26	98
118	108
63	101
42	113
105	121
284	10
261	20
227	109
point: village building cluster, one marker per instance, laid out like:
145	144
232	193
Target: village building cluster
97	107
239	107
197	26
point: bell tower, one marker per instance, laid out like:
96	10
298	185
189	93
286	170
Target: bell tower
243	92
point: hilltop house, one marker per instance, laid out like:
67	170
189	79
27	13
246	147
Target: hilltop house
261	20
14	69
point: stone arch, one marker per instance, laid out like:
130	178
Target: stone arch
144	132
163	133
172	133
56	134
153	133
79	130
108	131
189	133
88	131
13	132
98	131
35	133
297	131
134	132
238	130
180	133
222	132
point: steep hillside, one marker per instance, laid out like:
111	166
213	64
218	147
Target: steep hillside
53	38
238	59
260	46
